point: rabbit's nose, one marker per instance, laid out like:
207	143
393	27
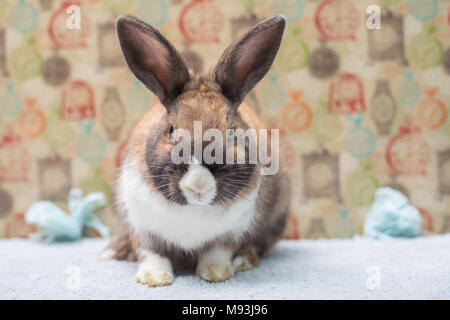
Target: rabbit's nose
198	185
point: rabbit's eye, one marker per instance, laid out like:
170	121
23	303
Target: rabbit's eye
171	131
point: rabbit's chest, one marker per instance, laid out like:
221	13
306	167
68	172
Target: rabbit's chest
188	226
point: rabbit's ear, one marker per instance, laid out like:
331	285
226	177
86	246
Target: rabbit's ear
245	62
152	59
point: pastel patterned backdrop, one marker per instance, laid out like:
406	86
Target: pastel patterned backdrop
358	108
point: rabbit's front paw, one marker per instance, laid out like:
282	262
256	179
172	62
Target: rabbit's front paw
154	278
154	270
216	272
215	265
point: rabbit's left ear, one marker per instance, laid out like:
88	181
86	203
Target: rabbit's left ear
244	63
152	59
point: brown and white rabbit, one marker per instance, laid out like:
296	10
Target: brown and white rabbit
218	218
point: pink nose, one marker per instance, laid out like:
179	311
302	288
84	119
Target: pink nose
198	187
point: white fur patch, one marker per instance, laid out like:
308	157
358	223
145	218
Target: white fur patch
154	270
188	226
215	265
215	256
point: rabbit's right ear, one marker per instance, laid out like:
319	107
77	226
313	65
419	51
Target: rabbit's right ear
152	59
246	61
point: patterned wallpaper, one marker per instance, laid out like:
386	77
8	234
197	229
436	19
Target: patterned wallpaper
358	108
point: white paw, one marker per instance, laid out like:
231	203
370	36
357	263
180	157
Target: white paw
215	265
154	278
216	272
154	270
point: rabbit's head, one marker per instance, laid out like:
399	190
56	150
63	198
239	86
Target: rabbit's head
212	100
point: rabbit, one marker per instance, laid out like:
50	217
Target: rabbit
216	219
